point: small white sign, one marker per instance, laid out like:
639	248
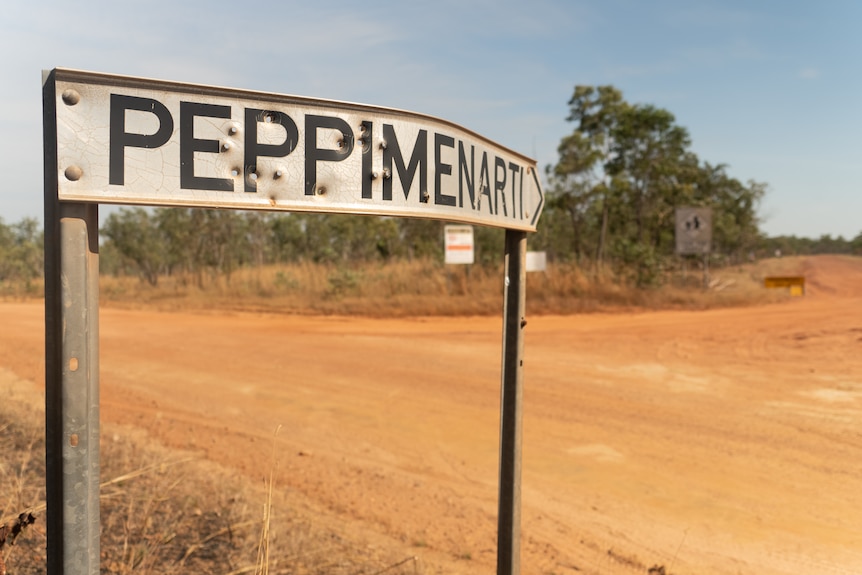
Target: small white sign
459	244
537	261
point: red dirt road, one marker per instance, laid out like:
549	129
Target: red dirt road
717	442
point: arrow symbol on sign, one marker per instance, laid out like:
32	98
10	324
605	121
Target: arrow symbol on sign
537	190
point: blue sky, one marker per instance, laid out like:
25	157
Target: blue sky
772	89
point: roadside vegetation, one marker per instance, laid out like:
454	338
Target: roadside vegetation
302	276
427	288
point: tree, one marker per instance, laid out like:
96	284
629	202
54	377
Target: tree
580	177
735	222
181	243
136	235
622	173
21	251
650	151
223	240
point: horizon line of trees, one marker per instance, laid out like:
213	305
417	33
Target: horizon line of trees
610	204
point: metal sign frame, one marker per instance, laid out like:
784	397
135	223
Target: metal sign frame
77	180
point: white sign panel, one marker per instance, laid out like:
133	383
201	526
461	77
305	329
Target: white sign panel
537	261
136	141
459	244
693	230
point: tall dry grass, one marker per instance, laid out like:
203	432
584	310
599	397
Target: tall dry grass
424	288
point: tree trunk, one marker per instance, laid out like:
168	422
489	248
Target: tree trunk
600	248
576	233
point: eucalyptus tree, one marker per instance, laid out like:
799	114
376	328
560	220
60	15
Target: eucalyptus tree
622	161
622	173
581	181
136	236
651	152
735	221
21	256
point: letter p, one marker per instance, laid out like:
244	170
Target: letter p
120	139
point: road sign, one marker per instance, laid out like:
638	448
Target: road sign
537	261
130	140
113	139
459	244
693	230
796	284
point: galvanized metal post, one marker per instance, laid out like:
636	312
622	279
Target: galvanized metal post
514	311
71	369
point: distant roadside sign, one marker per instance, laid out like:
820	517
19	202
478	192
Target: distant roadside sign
796	284
459	245
537	261
130	140
693	230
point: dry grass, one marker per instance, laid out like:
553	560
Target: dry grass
263	546
169	512
429	289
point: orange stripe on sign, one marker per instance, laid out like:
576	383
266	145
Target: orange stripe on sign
454	248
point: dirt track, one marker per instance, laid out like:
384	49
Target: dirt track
716	442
